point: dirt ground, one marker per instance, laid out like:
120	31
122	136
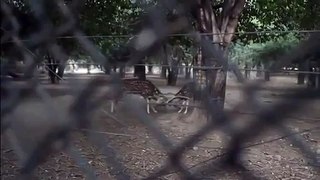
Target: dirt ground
270	156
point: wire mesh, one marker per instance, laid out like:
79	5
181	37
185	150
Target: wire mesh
89	97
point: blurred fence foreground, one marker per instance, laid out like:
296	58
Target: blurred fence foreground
38	125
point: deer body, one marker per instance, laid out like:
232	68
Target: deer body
144	88
184	94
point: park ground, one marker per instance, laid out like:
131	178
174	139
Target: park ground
271	155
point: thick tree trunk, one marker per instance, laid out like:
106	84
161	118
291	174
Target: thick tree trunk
222	25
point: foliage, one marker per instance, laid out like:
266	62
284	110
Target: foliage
275	15
121	17
107	17
265	53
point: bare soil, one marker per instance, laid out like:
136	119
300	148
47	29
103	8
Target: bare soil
271	155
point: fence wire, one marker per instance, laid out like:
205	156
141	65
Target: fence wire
89	97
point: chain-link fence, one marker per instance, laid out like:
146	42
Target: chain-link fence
35	137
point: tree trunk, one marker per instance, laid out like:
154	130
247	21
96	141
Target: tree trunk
187	72
259	72
222	26
313	79
107	70
140	71
266	72
267	75
302	66
181	69
318	78
122	71
88	69
163	73
246	71
173	73
61	68
150	67
199	75
164	62
176	59
301	77
172	77
52	68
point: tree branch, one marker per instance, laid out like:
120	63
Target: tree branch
233	20
227	7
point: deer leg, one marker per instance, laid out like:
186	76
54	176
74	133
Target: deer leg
112	106
181	108
153	109
187	104
148	106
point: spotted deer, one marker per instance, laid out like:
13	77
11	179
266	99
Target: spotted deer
144	88
184	95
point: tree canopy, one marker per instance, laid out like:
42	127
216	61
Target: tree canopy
274	15
114	22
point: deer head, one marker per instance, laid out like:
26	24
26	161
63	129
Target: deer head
161	98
